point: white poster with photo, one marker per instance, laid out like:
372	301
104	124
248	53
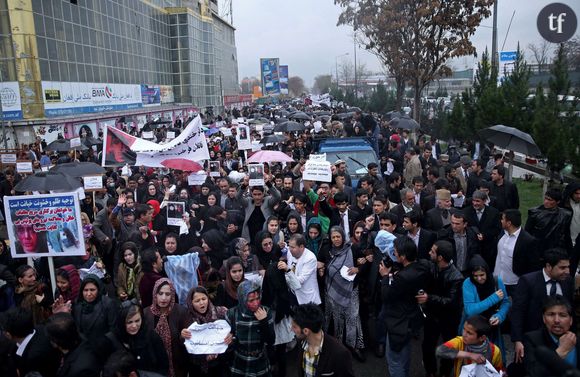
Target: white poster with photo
24	167
256	174
214	169
196	179
175	211
316	170
243	138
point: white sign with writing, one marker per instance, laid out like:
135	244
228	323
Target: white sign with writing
170	134
93	182
317	171
9	158
317	157
75	142
226	131
196	179
208	339
24	167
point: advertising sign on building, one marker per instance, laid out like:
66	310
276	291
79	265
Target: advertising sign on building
69	98
150	95
284	79
10	100
166	94
237	100
270	73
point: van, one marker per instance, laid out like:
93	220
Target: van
357	152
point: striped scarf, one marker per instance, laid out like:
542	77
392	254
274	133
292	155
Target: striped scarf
162	327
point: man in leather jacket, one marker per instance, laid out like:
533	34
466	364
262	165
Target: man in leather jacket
441	303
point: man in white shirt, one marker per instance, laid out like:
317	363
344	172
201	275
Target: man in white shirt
300	271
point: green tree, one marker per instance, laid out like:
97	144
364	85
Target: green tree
379	99
514	92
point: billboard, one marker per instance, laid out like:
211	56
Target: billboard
70	98
284	79
269	69
150	95
10	100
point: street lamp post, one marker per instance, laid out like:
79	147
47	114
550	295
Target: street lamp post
336	65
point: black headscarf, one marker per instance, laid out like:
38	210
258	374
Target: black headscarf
267	258
486	289
88	307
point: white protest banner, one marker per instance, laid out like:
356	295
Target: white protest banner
24	167
93	182
170	135
147	134
226	131
196	179
315	170
256	174
259	127
243	138
175	211
190	145
208	339
75	142
44	225
317	157
9	158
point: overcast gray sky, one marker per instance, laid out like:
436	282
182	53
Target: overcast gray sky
304	35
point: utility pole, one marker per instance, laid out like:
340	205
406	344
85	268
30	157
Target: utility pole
494	54
2	116
355	73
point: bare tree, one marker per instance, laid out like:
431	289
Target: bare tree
541	53
345	72
296	86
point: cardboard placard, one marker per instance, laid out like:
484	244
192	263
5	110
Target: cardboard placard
256	174
8	158
243	138
175	211
315	170
24	167
93	182
75	142
226	131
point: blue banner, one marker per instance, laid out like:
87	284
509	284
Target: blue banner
270	71
150	95
284	79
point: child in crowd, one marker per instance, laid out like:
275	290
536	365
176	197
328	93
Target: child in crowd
472	346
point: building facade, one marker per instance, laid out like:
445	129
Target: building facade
62	60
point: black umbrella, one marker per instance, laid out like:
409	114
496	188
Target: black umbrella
289	127
272	139
281	120
47	181
63	145
320	113
78	169
343	116
405	123
393	114
300	115
352	109
258	121
323	118
511	138
283	113
90	141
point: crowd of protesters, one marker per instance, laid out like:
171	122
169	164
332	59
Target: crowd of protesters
427	247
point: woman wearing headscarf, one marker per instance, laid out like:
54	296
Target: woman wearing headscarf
201	310
32	295
132	334
486	296
342	298
94	313
267	251
241	248
129	273
227	291
293	226
151	194
167	319
252	329
158	224
315	239
214	245
68	283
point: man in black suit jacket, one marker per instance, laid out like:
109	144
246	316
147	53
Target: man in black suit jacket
407	205
517	252
505	192
423	238
488	223
34	353
334	359
458	231
341	210
533	288
555	335
439	218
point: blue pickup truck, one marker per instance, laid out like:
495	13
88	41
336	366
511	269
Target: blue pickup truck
357	152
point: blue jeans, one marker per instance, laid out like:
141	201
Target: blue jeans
399	363
381	326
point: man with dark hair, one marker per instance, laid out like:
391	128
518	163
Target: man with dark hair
549	223
422	238
393	187
487	220
258	208
442	303
477	173
412	166
403	315
362	203
78	357
374	173
463	239
505	192
102	227
34	352
152	266
340	215
322	355
141	233
517	252
123	364
556	336
300	271
533	288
